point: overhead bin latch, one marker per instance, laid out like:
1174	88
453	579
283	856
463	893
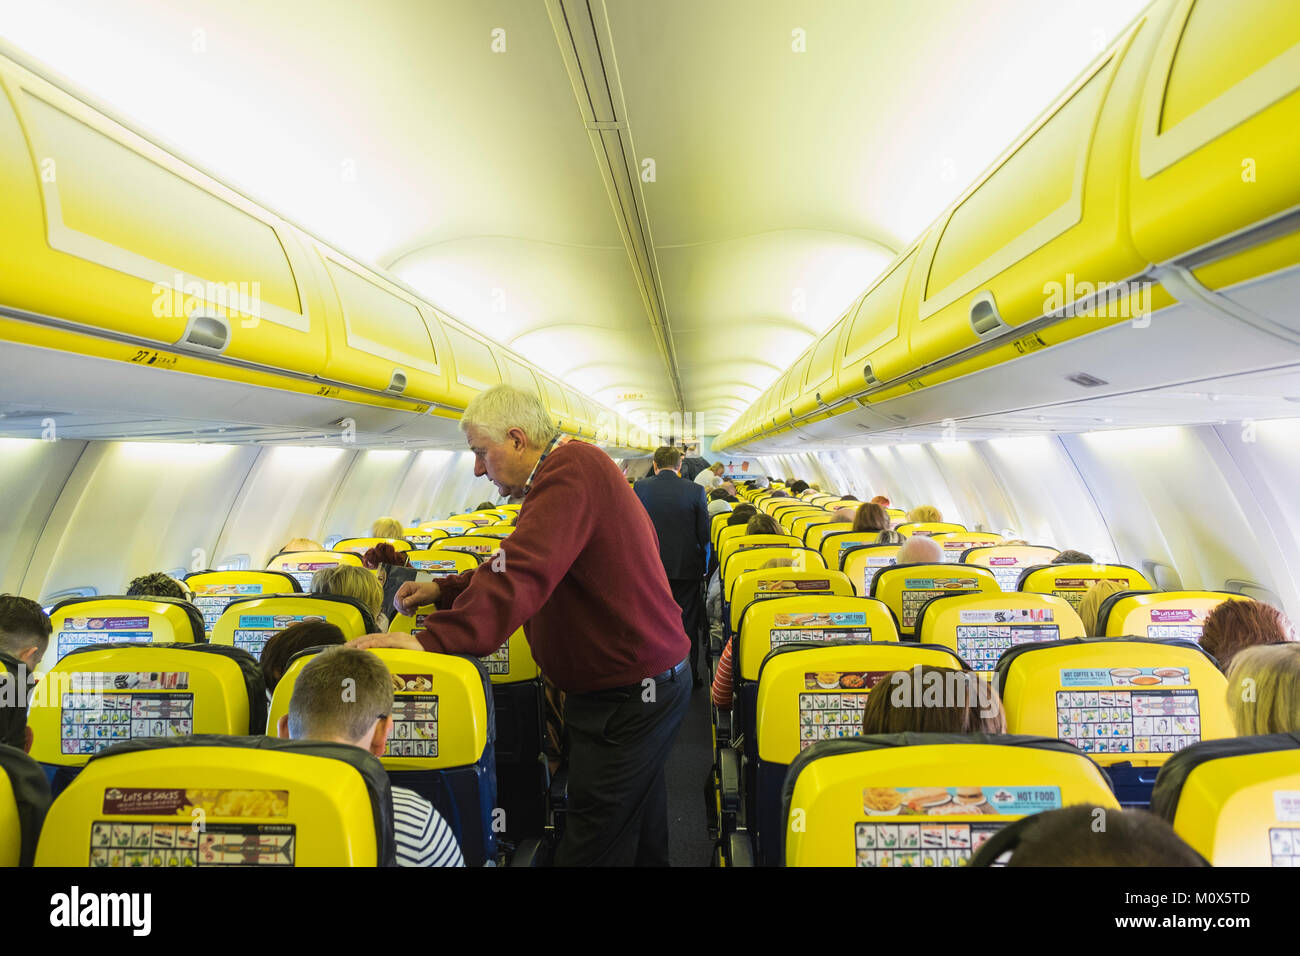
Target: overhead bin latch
398	382
208	332
869	375
984	317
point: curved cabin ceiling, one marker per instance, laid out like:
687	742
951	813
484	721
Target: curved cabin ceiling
795	150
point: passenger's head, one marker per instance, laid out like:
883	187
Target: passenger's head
348	580
157	585
719	494
1264	689
763	524
320	710
729	487
507	429
717	468
933	700
667	458
920	549
1090	606
1072	836
845	514
891	537
719	506
848	498
1014	541
924	513
1072	557
24	629
776	563
283	645
740	517
880	500
798	487
483	506
303	544
871	517
1233	626
381	554
386	527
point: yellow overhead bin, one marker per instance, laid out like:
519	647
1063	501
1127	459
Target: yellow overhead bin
475	367
823	366
874	351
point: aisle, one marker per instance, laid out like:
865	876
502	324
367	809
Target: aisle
688	765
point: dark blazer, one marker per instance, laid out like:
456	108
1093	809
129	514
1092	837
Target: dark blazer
680	512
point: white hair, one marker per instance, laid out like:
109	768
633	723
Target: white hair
504	407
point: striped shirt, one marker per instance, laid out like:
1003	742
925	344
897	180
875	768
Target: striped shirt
423	837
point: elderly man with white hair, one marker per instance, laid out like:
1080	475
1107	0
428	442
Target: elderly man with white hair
581	574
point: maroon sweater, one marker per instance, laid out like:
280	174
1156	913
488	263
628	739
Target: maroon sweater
581	574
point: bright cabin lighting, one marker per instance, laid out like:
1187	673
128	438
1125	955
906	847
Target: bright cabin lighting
384	454
306	455
173	452
1137	440
20	444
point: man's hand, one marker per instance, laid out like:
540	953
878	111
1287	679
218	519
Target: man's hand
415	594
392	639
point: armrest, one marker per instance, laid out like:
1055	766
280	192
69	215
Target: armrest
558	792
740	850
729	779
722	725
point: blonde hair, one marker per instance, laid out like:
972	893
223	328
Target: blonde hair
303	544
348	580
924	513
1264	689
1090	606
386	527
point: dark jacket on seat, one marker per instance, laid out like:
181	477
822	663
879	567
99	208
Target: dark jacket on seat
680	511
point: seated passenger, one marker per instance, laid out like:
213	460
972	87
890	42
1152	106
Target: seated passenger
721	691
384	553
798	487
730	488
303	544
347	580
848	498
24	635
386	527
484	506
845	514
1072	557
1014	541
880	500
763	524
933	700
317	711
920	549
1090	606
1071	836
1264	689
283	645
157	585
890	536
1233	626
924	514
718	502
741	514
871	517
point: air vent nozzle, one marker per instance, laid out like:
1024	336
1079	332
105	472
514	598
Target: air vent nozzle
984	317
398	381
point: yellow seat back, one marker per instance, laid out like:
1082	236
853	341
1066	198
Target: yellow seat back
767	625
441	562
422	537
764	584
862	564
1236	801
716	524
1166	615
453	526
906	587
929	528
495	531
744	542
805	523
213	590
472	544
835	546
1072	581
925	800
1120	700
440	716
362	545
810	694
24	798
1006	561
752	559
108	619
303	565
248	623
955	543
223	801
980	627
510	663
98	697
817	534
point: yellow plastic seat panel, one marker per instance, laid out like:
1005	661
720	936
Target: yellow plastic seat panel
362	545
929	528
439	717
127	620
248	625
762	585
213	590
1006	561
979	627
813	694
510	663
309	810
862	564
860	807
452	527
766	625
956	542
471	544
496	530
422	537
743	542
752	559
818	533
144	692
303	565
1159	697
1072	581
1178	615
441	562
835	546
906	588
